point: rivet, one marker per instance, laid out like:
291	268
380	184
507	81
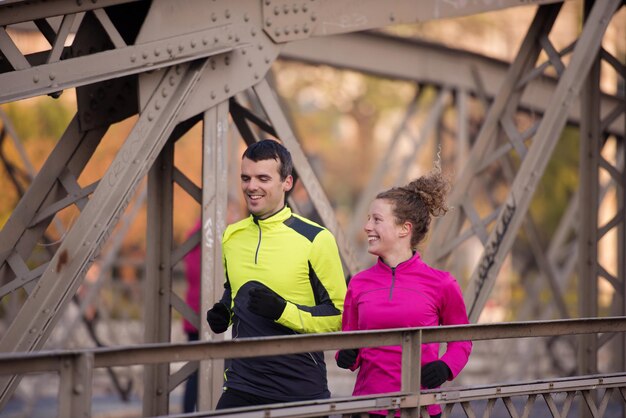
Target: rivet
36	79
267	60
253	32
33	330
256	76
172	80
305	28
192	43
78	389
164	92
260	47
244	52
305	8
296	30
227	60
286	31
313	17
79	2
277	32
392	17
226	88
144	55
286	9
157	52
178	69
216	40
213	65
246	17
213	17
249	63
150	117
205	41
268	23
133	58
268	2
295	8
276	11
181	48
212	95
227	14
169	50
52	76
236	38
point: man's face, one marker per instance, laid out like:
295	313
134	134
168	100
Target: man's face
262	187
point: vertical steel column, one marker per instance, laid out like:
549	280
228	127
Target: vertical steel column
214	212
590	148
411	369
158	280
75	386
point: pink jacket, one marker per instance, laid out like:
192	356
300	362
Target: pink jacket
192	273
412	294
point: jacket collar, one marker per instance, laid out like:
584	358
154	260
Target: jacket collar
407	264
278	217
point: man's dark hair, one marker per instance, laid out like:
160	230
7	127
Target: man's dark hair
268	149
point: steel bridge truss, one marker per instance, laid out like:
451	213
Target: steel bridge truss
124	60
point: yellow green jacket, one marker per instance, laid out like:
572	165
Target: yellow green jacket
299	260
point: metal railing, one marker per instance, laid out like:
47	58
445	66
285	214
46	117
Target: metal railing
75	368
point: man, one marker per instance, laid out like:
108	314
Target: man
283	277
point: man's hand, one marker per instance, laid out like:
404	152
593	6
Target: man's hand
218	318
347	358
265	302
434	374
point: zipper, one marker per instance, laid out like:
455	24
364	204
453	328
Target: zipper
258	245
393	282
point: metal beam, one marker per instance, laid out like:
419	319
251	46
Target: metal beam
429	63
502	237
83	242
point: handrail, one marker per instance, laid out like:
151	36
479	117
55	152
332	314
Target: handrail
76	366
40	361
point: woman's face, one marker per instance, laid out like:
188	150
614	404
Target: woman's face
383	233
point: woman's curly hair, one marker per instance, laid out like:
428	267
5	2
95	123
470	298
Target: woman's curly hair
418	201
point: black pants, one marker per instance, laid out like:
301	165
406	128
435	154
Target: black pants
232	398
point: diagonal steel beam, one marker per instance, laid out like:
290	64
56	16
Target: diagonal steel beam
67	268
305	172
502	237
449	226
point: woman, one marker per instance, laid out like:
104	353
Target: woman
400	291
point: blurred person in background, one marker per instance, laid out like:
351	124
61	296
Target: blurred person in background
402	291
283	277
192	297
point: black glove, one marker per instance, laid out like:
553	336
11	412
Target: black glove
347	358
434	374
218	318
265	302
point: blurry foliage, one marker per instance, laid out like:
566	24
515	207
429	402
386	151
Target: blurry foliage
558	184
343	121
40	118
